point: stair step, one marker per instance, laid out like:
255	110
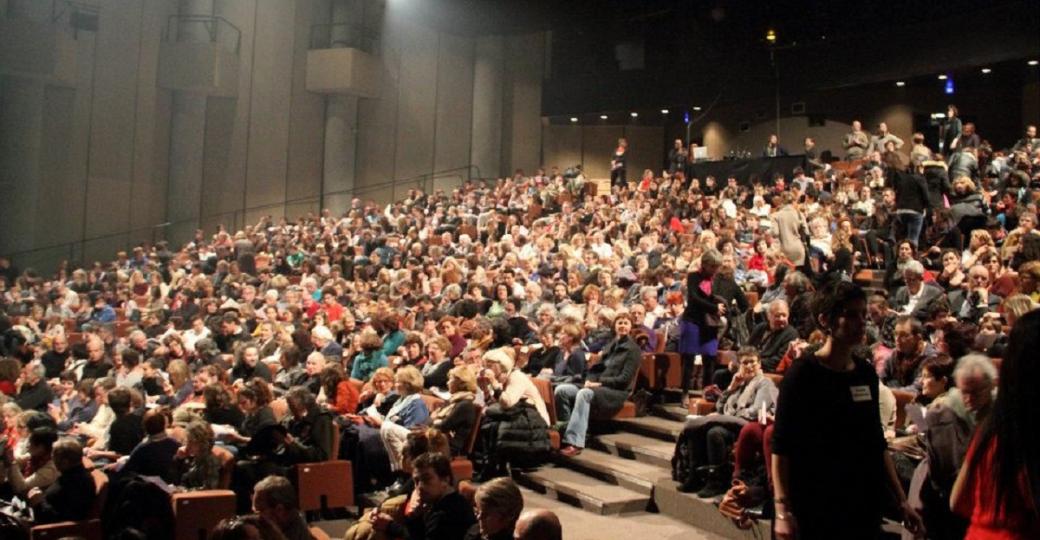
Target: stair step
700	513
666	429
627	473
674	411
583	491
638	447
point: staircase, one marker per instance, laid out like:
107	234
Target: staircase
626	469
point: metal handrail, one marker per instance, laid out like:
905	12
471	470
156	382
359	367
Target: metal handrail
419	181
211	22
65	4
321	36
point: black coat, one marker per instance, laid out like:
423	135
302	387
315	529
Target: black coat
69	498
616	371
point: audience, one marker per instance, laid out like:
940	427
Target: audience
270	341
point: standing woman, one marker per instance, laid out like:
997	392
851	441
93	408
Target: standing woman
830	462
700	321
617	165
998	487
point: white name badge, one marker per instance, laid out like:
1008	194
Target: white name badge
860	393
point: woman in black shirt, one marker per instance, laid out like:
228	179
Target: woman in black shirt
830	461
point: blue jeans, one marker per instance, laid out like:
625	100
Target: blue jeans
574	405
910	223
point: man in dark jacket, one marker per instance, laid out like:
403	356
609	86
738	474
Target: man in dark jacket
71	497
34	393
773	337
912	200
448	514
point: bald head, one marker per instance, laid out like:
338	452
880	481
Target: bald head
538	525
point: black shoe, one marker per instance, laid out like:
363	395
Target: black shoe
718	481
642	400
696	481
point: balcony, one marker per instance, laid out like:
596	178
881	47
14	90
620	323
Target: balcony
199	54
38	40
341	60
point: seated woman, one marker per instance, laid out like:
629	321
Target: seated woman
197	466
38	470
545	354
570	365
338	395
456	419
370	358
154	456
292	372
305	436
510	397
408	412
705	441
219	409
361	444
605	389
438	363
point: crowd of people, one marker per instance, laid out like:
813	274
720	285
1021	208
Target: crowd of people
347	335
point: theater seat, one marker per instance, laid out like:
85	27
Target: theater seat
628	410
324	485
903	398
545	390
88	530
701	406
775	377
227	466
432	402
461	466
197	512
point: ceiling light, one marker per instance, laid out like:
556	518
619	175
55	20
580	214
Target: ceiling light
942	77
634	115
986	70
574	119
900	83
771	35
664	111
602	117
1033	62
696	108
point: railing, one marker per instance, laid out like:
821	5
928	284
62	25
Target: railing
236	219
215	26
336	35
69	14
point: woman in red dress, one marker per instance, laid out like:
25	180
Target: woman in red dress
998	487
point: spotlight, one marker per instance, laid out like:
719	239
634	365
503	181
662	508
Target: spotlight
602	117
771	36
942	77
574	119
634	115
986	71
900	83
664	111
696	108
1033	62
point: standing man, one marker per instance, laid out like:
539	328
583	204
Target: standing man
677	157
790	227
951	131
855	142
878	141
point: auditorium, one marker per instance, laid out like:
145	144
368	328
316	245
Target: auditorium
519	269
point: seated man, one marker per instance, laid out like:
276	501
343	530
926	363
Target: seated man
972	303
71	497
902	369
498	503
772	337
274	498
448	515
538	525
916	296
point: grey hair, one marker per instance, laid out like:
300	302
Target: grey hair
976	364
914	267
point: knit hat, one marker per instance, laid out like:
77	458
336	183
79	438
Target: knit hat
501	357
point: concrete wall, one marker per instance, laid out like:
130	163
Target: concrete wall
112	159
593	146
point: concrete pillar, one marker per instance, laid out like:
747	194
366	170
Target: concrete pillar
486	150
341	116
21	121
